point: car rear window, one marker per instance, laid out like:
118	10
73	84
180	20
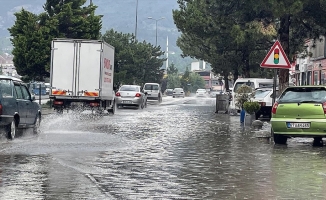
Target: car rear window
128	88
301	94
151	87
6	88
261	93
178	89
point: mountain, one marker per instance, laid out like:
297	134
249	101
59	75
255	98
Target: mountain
119	15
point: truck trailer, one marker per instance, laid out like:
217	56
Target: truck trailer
81	75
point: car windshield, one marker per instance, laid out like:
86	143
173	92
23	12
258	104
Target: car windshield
151	87
261	93
128	88
303	94
201	90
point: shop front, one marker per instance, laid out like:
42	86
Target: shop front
319	72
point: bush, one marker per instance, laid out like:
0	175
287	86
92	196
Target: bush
251	107
243	94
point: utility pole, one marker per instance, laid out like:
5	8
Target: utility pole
136	19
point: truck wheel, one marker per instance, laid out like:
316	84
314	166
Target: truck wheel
112	110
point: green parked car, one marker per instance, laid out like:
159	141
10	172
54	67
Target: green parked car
300	111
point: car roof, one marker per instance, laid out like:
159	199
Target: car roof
305	86
130	85
152	84
10	78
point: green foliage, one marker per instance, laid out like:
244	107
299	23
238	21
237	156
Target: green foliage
251	107
32	34
135	62
233	35
172	69
196	82
185	81
173	81
243	94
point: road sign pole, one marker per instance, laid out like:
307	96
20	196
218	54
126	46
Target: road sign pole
274	85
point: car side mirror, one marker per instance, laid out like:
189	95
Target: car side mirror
33	98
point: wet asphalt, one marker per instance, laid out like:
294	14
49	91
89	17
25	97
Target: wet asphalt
179	149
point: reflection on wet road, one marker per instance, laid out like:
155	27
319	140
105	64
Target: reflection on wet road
179	149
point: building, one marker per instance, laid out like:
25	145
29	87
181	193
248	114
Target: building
7	65
311	70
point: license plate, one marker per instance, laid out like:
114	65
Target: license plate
126	101
298	125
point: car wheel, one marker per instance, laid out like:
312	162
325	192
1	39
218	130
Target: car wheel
279	139
36	129
146	103
173	96
112	110
12	130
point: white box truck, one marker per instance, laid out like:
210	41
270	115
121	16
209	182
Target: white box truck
81	75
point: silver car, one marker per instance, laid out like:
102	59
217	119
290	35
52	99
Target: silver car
130	95
178	92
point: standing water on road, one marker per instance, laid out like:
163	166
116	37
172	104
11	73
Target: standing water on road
179	149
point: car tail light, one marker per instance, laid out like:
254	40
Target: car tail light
274	108
262	103
118	94
324	107
58	102
138	95
1	109
94	104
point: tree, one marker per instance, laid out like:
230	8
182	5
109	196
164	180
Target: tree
173	81
31	47
185	80
135	62
32	34
74	19
172	69
196	82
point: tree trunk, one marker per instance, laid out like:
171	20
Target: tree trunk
284	37
226	80
246	67
236	74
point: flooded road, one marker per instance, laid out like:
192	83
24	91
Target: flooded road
179	149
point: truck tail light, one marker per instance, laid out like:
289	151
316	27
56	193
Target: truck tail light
324	107
262	103
94	104
274	108
118	94
138	95
58	102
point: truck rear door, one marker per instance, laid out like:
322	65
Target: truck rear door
88	69
63	67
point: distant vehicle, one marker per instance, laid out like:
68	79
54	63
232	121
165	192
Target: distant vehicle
169	92
34	88
253	83
47	88
201	93
299	112
178	92
264	96
153	91
131	95
17	107
82	75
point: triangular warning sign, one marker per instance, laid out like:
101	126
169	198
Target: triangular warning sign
276	58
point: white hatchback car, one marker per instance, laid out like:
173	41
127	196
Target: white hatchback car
201	93
153	91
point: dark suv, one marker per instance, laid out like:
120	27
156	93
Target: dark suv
17	107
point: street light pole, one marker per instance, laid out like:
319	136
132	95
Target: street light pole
156	20
136	19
